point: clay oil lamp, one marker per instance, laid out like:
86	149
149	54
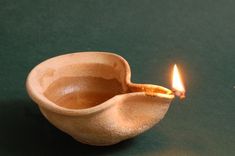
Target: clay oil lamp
89	96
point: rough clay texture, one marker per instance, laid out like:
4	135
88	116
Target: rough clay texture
121	113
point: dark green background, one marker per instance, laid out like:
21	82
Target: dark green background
152	35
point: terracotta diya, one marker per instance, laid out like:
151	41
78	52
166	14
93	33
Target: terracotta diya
89	96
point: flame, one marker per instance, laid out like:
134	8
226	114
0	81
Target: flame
177	83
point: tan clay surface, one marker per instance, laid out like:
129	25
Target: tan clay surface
89	96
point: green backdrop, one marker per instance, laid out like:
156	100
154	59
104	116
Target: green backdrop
152	35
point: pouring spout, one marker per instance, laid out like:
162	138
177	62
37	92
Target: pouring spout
141	109
150	89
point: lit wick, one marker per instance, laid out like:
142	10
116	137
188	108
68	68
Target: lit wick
177	84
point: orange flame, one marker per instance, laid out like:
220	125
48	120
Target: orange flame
177	84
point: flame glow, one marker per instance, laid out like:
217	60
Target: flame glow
177	83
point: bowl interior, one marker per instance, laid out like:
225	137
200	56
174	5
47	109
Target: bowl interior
80	80
82	91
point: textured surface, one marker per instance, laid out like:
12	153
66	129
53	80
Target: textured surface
82	80
151	35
